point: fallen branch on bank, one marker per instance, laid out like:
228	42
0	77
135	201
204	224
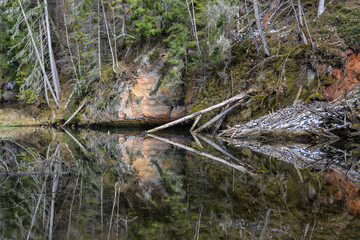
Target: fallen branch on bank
186	118
76	112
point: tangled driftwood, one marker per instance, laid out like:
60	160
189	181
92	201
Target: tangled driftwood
299	122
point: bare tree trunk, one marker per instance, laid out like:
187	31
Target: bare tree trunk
217	117
305	33
77	110
99	43
115	42
250	29
193	23
42	52
258	24
68	44
321	8
301	23
108	35
38	56
195	30
54	72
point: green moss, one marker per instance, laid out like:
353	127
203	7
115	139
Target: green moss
339	20
328	81
262	97
314	96
107	74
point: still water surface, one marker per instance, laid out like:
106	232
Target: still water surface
123	184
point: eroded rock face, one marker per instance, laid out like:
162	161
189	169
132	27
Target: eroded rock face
343	79
149	99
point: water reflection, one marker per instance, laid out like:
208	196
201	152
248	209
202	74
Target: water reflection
100	185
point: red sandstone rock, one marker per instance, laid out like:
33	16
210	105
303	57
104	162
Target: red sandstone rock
178	112
154	111
343	80
144	85
147	98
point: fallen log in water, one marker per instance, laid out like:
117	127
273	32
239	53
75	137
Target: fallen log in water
231	100
299	123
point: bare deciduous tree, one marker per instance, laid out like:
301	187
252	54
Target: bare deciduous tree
38	56
54	72
258	24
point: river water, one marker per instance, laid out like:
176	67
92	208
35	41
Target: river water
124	184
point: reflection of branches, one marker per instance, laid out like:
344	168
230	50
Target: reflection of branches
223	151
28	173
238	167
76	141
36	209
116	199
35	158
53	192
73	194
197	228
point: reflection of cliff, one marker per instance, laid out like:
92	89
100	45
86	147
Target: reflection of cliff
148	156
344	191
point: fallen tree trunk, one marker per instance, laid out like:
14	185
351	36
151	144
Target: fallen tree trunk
76	112
217	117
231	100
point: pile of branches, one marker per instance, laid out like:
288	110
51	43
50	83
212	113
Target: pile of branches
300	123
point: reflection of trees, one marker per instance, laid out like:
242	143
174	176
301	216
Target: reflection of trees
130	186
30	184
